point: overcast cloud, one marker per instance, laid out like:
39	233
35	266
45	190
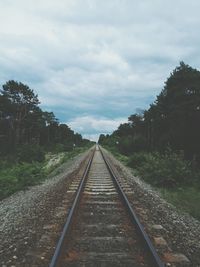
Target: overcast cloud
95	62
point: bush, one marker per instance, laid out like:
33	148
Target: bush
125	145
139	144
57	148
68	147
128	145
168	170
8	184
186	199
19	177
29	174
4	164
30	153
138	159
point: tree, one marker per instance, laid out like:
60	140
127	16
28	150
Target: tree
179	103
173	120
24	125
20	101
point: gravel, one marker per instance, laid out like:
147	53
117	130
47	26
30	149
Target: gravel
180	230
23	215
27	217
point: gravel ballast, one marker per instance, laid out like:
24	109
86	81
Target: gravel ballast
28	219
161	219
24	214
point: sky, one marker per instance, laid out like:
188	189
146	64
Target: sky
95	62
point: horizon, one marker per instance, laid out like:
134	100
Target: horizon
91	69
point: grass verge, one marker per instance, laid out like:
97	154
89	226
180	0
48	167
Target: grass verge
16	177
170	175
185	199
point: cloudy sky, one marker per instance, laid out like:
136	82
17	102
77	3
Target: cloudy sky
95	62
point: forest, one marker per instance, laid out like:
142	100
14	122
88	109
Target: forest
28	135
162	143
23	123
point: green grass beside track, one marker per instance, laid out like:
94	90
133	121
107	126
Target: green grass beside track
16	177
186	199
185	196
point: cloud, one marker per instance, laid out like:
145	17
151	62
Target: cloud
92	127
96	59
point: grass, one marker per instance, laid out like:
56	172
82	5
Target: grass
124	159
185	199
170	175
54	170
19	176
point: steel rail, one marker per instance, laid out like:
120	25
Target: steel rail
133	216
70	214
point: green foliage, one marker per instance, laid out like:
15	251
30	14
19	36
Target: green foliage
23	123
26	134
15	177
187	199
138	159
168	170
174	117
172	176
172	120
129	144
125	145
30	153
56	148
68	147
19	177
29	174
118	155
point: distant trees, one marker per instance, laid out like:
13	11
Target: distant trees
22	122
173	120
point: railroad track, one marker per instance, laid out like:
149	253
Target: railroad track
101	228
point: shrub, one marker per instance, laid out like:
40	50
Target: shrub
29	174
138	159
8	184
19	177
129	144
4	164
185	199
30	153
139	144
168	170
125	145
68	147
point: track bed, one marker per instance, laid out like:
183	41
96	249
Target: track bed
102	233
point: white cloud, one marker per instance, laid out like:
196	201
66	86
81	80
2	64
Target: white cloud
92	126
92	137
96	58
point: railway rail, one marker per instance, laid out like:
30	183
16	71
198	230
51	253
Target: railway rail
102	228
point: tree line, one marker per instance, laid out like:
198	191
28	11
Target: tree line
24	123
172	121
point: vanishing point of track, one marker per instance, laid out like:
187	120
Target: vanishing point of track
101	228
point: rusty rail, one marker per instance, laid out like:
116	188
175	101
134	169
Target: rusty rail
71	214
152	251
133	216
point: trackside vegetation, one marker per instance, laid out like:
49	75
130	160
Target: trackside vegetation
29	137
162	144
19	176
